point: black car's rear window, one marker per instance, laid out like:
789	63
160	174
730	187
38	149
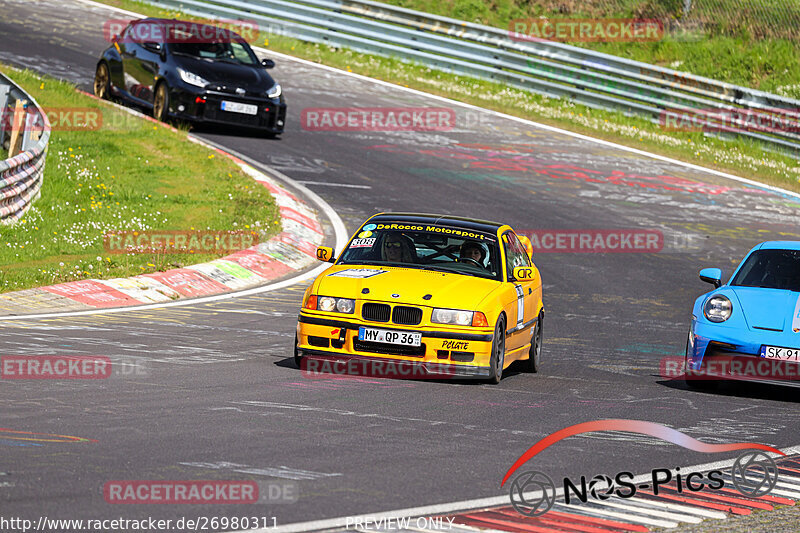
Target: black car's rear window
770	269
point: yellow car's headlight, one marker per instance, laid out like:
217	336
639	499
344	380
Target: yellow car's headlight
331	304
459	317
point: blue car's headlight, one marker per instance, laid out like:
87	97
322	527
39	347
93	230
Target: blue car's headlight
718	308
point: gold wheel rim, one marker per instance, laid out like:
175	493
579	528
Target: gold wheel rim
160	102
101	81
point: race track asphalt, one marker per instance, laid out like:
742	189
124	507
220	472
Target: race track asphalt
216	394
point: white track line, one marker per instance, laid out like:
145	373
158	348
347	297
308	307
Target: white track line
329	184
113	8
634	507
789	480
781	488
627	517
680	508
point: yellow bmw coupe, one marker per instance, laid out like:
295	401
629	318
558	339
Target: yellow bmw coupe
444	295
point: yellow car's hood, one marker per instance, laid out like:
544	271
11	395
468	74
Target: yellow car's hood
455	291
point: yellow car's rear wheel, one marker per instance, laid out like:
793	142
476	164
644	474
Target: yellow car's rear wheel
535	353
498	352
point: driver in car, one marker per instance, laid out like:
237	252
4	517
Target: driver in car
397	249
471	250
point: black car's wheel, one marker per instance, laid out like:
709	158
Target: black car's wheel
102	82
535	354
297	357
161	102
498	352
693	383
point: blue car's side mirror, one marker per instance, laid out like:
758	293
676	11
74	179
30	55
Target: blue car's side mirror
712	275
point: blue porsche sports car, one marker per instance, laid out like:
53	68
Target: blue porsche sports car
749	328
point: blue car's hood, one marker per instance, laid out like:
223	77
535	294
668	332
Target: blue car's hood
772	309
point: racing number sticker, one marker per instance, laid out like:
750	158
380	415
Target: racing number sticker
363	243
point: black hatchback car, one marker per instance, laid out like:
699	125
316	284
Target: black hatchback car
192	72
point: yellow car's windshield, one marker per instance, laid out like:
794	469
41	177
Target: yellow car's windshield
445	249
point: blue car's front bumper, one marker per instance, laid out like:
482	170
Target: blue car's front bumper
721	352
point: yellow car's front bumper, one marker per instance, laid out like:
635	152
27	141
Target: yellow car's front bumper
443	352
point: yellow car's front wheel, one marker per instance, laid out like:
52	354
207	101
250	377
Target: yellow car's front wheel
498	352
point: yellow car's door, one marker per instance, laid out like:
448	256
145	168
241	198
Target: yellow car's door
523	308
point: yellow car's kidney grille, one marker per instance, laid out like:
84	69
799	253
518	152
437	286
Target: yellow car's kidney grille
409	316
376	312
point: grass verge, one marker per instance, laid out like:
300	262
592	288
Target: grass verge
126	175
741	157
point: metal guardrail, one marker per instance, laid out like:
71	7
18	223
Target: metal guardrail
21	176
550	68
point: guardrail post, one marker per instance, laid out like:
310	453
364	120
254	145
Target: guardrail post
32	131
4	90
17	124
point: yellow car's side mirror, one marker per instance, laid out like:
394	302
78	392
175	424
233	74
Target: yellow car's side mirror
526	242
523	273
326	254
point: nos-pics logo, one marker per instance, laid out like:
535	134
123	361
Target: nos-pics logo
533	493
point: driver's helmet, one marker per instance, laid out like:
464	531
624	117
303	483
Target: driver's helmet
470	248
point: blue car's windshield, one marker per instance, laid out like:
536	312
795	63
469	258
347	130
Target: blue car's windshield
473	254
771	269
